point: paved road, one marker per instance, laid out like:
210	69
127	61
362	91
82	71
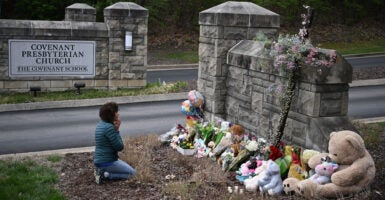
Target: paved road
37	130
367	102
367	61
172	75
192	74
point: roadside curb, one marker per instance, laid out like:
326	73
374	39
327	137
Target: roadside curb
49	152
364	54
173	66
367	82
92	102
371	120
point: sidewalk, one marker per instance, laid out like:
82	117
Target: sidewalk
91	102
49	152
368	82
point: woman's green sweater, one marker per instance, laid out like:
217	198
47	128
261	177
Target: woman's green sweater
107	143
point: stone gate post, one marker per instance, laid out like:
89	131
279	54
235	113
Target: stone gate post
80	12
221	27
127	67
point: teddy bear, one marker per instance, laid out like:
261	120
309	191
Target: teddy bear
322	176
251	184
304	158
355	173
248	168
237	133
290	185
271	182
323	172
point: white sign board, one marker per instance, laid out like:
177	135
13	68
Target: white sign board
51	58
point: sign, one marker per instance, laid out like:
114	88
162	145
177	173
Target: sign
51	58
128	41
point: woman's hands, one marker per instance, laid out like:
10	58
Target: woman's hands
117	122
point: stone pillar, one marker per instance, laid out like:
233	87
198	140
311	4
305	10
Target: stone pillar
222	27
127	68
254	97
80	12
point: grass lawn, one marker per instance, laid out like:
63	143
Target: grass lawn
357	47
154	88
28	179
345	48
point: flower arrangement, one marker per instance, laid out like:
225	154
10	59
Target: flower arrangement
290	52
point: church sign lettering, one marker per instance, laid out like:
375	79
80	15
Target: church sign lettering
51	58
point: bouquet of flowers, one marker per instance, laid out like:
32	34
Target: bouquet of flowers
290	52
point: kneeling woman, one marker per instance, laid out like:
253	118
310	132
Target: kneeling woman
108	143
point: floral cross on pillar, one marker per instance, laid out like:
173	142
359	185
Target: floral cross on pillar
291	53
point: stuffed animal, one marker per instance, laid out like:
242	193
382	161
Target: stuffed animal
323	172
225	160
235	148
305	156
249	167
356	168
225	125
251	184
290	185
271	182
296	170
237	133
285	161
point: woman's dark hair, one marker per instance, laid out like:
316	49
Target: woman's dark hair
107	112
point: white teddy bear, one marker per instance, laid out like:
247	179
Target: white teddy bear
251	184
271	182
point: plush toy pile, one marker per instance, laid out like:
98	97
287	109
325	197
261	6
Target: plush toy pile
348	167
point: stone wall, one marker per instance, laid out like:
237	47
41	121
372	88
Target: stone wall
222	27
115	67
241	85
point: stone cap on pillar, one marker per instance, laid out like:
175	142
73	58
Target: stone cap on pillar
80	12
128	9
250	54
245	14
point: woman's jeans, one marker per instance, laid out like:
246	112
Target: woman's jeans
119	170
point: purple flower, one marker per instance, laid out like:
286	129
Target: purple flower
291	49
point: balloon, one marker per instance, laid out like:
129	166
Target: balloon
196	99
188	109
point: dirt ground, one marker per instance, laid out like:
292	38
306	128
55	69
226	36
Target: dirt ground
77	180
174	176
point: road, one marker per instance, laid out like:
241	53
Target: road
38	130
367	61
367	102
172	75
192	74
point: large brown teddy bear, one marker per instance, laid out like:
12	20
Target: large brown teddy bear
356	168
